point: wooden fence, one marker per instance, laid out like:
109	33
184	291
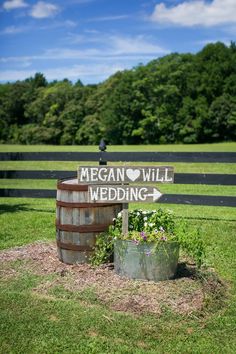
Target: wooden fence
179	178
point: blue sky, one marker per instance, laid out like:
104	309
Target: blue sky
92	39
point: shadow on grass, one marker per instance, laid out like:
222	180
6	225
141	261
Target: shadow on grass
214	288
185	271
13	208
203	218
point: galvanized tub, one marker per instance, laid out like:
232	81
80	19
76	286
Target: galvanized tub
146	261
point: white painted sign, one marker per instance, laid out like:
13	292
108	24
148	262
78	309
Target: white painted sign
125	174
122	194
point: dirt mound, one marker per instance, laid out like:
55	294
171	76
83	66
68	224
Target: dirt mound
183	295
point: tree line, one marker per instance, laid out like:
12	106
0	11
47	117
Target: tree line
179	98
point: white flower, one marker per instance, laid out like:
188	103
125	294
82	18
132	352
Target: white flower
138	213
119	214
145	224
131	227
145	218
151	224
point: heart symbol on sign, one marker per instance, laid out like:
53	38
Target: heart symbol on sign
132	174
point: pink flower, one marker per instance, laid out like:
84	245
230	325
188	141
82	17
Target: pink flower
163	238
143	235
136	242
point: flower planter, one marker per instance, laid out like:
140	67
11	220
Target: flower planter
146	261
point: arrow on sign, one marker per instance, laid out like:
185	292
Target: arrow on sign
122	194
156	194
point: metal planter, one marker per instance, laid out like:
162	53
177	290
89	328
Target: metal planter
146	261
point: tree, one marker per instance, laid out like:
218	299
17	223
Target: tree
221	122
187	98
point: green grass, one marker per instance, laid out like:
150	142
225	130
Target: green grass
229	168
164	188
24	221
59	323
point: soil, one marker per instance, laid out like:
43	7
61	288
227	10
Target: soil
184	295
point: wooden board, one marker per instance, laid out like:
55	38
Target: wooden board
147	156
180	178
122	194
211	200
125	174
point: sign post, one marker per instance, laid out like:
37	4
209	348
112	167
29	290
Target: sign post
125	218
110	184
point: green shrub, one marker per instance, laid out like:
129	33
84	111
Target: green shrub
155	226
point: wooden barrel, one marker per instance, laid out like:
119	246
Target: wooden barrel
78	222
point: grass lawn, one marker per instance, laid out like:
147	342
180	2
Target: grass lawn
78	322
62	322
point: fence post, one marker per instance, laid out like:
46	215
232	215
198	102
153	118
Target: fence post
102	148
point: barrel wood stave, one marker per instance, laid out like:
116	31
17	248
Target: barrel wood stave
79	222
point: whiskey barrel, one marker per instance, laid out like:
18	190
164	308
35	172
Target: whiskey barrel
79	222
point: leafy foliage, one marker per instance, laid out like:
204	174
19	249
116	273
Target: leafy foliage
150	227
179	98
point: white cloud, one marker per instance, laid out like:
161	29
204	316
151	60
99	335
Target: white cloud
96	62
196	13
69	23
65	53
111	47
231	30
108	18
60	24
13	30
76	71
135	45
14	4
204	42
78	2
97	72
43	10
91	31
19	29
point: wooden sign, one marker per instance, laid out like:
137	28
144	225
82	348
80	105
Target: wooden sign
125	174
122	194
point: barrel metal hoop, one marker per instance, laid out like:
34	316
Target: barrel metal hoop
82	228
83	205
72	247
72	187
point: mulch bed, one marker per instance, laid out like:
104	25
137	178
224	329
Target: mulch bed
183	295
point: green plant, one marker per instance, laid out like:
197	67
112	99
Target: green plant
103	249
190	241
151	227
